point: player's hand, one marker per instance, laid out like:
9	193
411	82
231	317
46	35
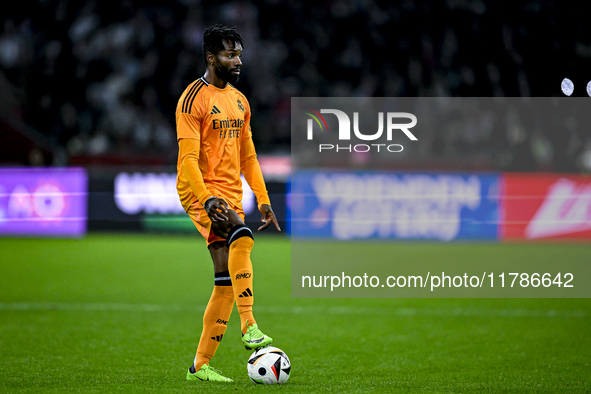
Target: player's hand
216	208
268	217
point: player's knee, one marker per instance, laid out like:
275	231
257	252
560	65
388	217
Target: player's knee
221	229
234	219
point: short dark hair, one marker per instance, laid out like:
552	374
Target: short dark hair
213	36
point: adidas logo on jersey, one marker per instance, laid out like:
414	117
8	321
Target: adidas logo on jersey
215	110
218	338
246	293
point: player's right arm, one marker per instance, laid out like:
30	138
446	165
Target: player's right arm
189	139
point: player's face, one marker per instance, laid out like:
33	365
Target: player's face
227	62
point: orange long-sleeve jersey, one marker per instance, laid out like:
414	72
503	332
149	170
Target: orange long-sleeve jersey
215	146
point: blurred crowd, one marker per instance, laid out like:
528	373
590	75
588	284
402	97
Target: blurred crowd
103	78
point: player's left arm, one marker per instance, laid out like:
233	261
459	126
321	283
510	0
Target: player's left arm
251	169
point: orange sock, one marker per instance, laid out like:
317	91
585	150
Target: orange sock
215	319
240	268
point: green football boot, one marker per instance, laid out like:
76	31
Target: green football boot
206	373
254	338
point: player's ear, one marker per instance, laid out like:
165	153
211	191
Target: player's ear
210	57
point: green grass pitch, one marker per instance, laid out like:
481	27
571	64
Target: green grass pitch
122	313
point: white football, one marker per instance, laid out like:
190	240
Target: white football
268	365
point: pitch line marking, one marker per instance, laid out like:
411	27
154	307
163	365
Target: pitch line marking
331	310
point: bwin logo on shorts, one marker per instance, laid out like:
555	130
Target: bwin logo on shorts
244	275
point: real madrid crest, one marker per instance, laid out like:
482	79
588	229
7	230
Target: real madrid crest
240	106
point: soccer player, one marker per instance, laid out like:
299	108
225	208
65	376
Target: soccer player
215	146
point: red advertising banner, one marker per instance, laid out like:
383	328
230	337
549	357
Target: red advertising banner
544	206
